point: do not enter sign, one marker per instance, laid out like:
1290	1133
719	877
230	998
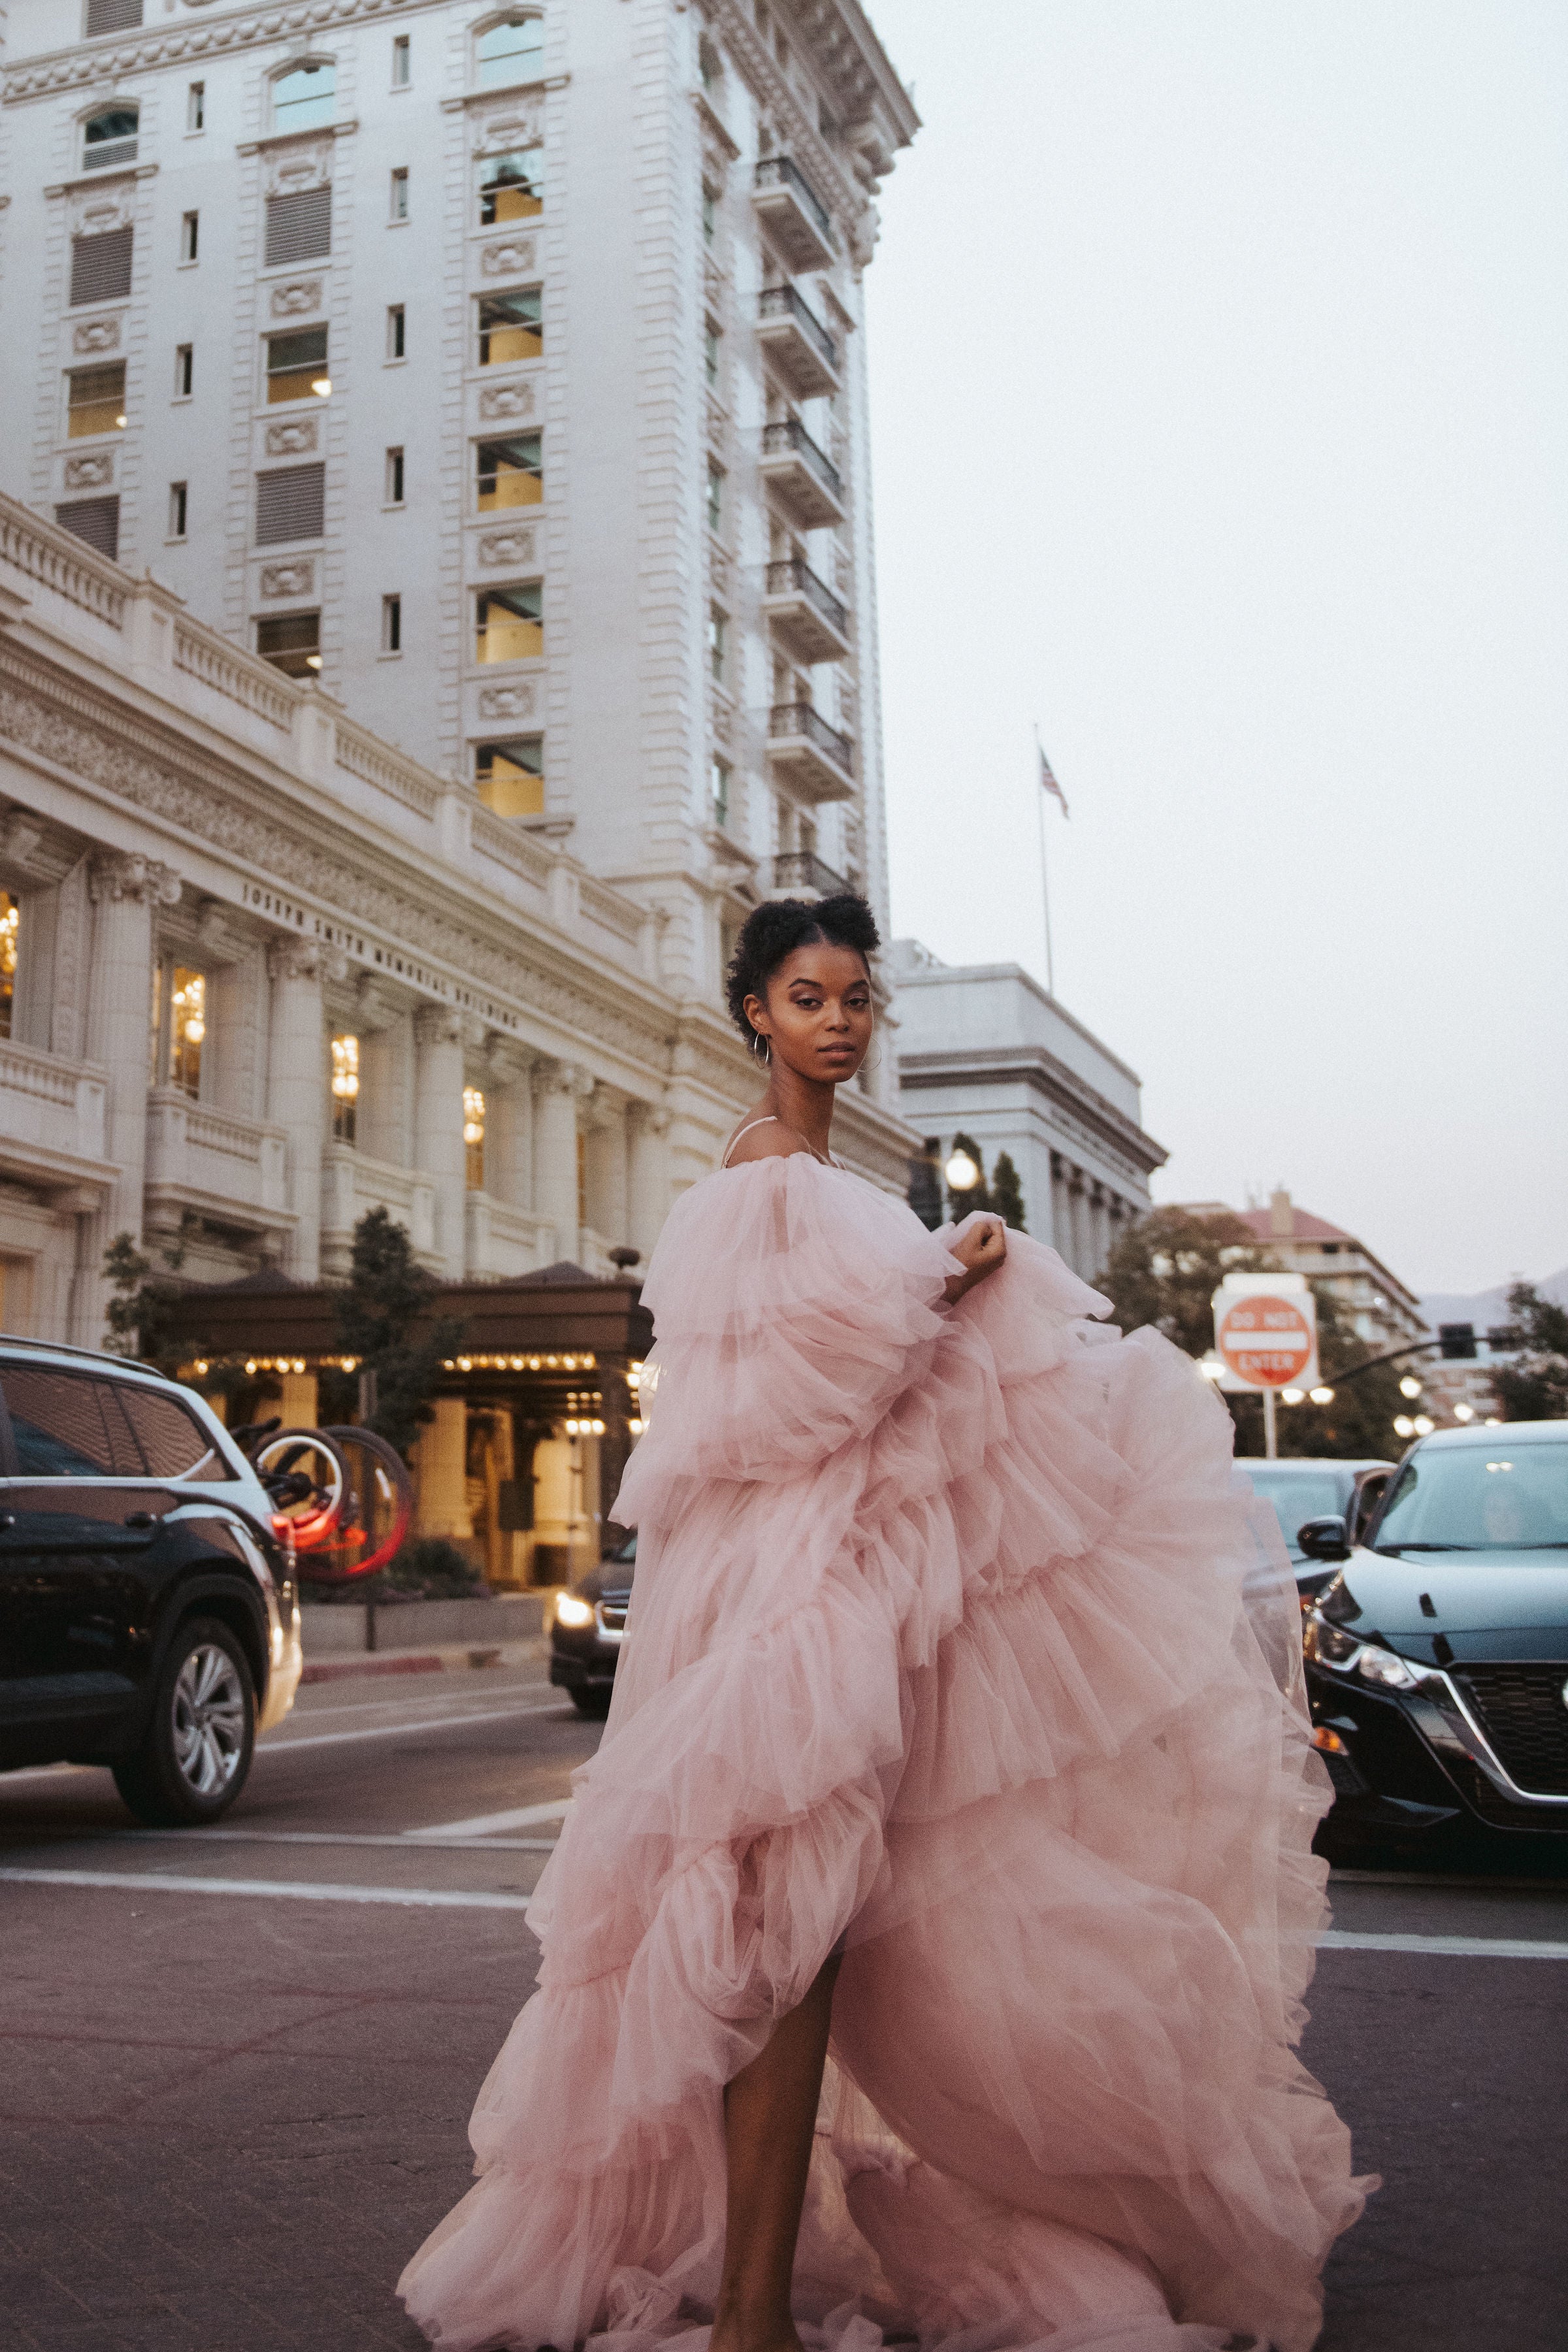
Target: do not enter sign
1267	1342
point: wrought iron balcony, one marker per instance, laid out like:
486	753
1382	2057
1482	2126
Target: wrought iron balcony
802	869
812	758
797	342
796	216
804	613
805	476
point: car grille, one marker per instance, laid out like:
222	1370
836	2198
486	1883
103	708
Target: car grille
1522	1712
613	1610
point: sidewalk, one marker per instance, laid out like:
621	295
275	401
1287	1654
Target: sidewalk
445	1658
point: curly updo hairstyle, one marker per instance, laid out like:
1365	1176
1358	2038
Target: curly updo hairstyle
777	928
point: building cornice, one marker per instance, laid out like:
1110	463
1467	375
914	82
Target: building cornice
82	62
985	1065
309	866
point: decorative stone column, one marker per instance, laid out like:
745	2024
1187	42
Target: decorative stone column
299	1086
441	1472
647	1159
124	891
508	1114
558	1088
439	1036
606	1169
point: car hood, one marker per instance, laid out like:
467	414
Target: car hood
1482	1604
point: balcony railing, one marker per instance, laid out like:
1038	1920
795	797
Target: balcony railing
779	172
784	303
793	576
799	718
802	869
789	434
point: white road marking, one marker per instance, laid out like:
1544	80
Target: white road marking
1463	1947
483	1825
429	1898
1483	1947
276	1746
321	1837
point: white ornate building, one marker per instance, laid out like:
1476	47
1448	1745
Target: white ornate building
257	966
501	366
983	1051
491	378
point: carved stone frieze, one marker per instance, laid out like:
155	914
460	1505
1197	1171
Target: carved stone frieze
296	439
296	579
518	701
288	170
497	400
318	857
519	124
93	471
297	297
115	874
303	959
94	211
516	545
90	335
514	256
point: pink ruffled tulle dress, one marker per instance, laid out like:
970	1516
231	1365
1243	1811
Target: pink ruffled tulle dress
957	1637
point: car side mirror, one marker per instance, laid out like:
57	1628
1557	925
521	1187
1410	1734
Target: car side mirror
1324	1538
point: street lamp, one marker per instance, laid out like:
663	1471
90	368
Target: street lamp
1464	1412
1403	1425
962	1173
1423	1424
1321	1395
1410	1386
1292	1396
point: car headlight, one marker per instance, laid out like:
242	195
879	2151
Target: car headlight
571	1610
1330	1646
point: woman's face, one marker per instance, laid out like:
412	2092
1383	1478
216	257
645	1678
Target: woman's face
816	1014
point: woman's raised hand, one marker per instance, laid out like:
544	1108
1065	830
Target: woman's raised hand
980	1245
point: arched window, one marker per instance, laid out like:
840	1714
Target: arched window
109	139
513	50
305	97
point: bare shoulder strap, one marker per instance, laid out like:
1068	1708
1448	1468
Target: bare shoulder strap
771	1121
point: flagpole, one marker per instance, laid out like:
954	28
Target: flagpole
1044	870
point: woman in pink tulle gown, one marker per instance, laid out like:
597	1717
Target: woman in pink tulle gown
957	1743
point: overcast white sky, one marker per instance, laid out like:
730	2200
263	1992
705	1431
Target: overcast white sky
1219	357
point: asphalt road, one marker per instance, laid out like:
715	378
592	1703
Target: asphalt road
238	2064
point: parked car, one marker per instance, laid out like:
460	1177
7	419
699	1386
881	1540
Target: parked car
1438	1652
587	1626
149	1618
1316	1487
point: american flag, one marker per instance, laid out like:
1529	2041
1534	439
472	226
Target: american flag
1048	778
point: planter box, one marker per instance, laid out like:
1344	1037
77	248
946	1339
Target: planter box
335	1632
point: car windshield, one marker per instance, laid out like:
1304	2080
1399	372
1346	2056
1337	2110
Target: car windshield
1298	1495
1491	1497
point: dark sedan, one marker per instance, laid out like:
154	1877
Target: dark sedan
1437	1653
587	1626
1311	1487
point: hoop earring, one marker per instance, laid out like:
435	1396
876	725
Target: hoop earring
766	1056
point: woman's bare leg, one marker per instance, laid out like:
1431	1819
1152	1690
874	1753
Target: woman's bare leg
769	2115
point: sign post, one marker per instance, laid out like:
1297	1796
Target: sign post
1266	1331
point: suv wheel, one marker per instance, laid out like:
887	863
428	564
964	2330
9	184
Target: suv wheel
192	1763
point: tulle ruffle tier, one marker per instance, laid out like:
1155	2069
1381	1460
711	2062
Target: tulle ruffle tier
955	1634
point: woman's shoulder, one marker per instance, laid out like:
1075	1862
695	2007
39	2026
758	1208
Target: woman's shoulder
763	1139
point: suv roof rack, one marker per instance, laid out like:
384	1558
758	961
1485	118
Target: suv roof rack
89	1355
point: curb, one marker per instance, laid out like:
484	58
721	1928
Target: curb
451	1660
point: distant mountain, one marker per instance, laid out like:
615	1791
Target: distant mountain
1485	1307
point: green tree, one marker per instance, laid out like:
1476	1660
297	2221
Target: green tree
140	1316
1165	1269
1535	1388
1006	1192
962	1204
384	1319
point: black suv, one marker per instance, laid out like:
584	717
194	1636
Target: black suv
149	1618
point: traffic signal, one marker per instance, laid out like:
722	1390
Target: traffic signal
1457	1339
